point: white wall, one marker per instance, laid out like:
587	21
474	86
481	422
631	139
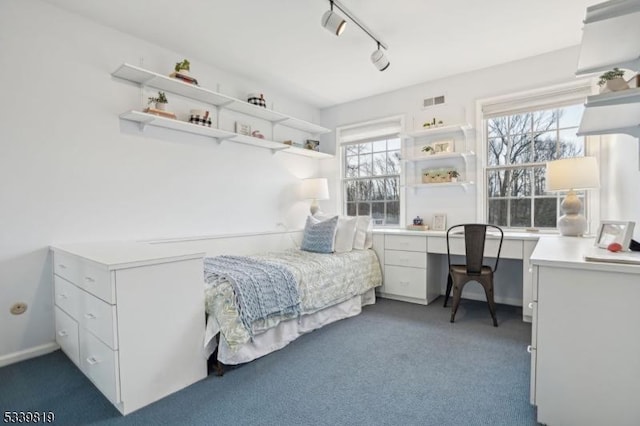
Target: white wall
70	170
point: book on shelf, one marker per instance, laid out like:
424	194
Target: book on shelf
183	77
418	227
159	112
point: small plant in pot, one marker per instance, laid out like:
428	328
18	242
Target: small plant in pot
428	149
613	80
454	175
183	67
160	101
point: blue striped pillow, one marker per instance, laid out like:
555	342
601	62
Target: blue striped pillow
319	237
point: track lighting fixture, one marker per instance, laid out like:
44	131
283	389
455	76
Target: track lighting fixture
379	59
333	22
336	24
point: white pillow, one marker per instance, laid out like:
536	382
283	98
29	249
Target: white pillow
345	232
363	238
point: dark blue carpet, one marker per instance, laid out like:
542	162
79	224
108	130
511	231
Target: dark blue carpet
395	364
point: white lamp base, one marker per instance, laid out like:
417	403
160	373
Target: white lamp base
572	223
314	208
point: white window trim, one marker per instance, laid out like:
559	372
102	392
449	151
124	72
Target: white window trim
517	100
341	142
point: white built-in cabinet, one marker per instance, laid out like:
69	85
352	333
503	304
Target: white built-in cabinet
130	317
456	157
218	101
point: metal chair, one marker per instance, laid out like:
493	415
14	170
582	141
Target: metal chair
474	270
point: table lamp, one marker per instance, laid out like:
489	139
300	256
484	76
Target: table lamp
315	189
571	174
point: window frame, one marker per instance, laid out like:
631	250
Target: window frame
550	97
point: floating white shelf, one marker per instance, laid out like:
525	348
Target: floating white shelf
436	131
158	81
464	185
145	119
611	113
444	156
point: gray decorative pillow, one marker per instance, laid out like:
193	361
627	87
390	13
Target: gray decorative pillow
319	237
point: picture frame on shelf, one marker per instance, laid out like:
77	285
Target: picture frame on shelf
312	144
439	222
614	231
442	146
243	128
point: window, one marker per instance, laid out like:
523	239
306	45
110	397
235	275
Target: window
371	180
518	145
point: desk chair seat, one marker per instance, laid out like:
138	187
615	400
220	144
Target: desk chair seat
474	268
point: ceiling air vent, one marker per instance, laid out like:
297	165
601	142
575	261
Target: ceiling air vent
436	100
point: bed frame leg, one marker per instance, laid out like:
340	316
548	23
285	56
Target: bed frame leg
213	364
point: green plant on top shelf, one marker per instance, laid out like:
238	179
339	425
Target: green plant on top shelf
184	65
610	75
160	99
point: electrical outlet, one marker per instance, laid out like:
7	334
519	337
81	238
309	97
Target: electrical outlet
18	308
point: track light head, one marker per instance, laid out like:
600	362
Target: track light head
379	59
333	22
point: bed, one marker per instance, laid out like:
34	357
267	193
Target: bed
330	287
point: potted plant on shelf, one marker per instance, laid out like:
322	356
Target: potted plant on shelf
453	174
613	80
428	149
183	67
160	101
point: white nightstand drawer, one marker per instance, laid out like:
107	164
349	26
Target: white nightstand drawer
414	259
99	318
87	275
408	282
67	296
405	242
100	364
67	335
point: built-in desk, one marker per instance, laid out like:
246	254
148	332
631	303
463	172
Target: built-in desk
413	269
585	338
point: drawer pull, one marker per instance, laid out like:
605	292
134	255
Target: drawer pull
530	305
61	266
63	296
90	316
62	333
89	280
530	270
93	360
529	348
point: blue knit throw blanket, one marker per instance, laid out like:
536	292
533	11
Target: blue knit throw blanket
262	288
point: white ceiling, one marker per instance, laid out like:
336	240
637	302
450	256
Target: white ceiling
282	42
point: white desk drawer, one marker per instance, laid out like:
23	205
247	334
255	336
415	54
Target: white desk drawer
414	259
86	275
67	296
67	335
408	282
511	249
100	364
99	318
405	242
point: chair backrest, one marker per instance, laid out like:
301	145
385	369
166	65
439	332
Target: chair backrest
475	235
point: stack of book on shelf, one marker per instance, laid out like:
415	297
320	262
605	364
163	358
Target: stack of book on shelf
160	112
184	77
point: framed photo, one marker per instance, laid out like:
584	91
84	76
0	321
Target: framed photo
443	146
612	231
312	144
243	128
439	222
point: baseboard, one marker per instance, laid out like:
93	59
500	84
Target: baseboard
28	354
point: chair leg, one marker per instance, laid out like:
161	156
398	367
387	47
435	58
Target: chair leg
488	290
448	292
457	294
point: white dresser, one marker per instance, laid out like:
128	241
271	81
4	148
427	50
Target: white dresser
585	338
131	317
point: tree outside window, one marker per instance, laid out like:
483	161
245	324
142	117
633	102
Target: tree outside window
371	180
518	146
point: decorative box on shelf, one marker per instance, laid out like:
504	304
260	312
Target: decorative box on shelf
200	117
418	227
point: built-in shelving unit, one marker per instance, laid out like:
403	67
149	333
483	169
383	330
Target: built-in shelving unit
146	78
464	185
611	38
442	156
442	130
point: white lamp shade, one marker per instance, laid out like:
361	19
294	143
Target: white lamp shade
333	22
572	173
315	189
